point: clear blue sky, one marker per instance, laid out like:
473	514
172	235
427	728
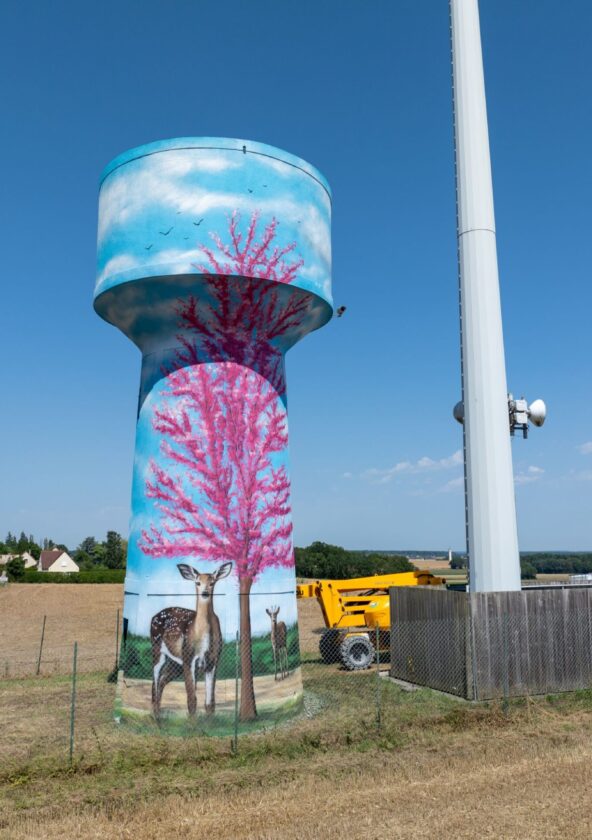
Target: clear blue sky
362	91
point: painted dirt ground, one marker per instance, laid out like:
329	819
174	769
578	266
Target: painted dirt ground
136	694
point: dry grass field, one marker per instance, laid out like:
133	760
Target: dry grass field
431	565
86	613
552	578
436	768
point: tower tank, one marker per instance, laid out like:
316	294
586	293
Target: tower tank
214	258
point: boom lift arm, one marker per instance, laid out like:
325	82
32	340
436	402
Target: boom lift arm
350	607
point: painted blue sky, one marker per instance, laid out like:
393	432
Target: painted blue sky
362	91
161	205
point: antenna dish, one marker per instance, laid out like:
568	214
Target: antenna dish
458	412
537	413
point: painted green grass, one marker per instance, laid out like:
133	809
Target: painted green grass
219	725
136	656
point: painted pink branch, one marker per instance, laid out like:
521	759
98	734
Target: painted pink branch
222	497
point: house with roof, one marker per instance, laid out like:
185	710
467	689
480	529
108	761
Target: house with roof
56	560
30	562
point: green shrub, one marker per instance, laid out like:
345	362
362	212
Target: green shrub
95	576
527	570
15	568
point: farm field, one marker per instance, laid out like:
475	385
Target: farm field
86	613
431	565
437	766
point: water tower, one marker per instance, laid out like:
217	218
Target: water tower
214	258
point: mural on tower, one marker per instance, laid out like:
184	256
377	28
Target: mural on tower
214	258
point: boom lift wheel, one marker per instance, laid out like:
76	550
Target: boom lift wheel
357	652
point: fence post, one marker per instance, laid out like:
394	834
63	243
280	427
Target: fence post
506	664
117	643
73	702
236	676
378	693
41	645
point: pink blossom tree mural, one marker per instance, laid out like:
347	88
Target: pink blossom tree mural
219	484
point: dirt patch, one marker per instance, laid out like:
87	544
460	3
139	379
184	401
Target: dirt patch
310	625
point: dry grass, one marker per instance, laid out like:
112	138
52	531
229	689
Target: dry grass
436	768
431	565
310	625
86	613
505	799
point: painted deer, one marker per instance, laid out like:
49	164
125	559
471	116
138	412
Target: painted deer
190	639
279	637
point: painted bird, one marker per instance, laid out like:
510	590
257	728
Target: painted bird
197	224
340	311
166	232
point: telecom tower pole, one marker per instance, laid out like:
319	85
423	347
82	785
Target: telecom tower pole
492	539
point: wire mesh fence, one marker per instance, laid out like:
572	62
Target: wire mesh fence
74	693
492	645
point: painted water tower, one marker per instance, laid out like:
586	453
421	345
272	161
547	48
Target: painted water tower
214	258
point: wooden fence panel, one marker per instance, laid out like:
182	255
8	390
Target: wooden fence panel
487	645
428	638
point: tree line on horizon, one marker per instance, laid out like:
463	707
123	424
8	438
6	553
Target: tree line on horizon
318	560
323	560
89	555
535	563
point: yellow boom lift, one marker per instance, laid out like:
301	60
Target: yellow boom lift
353	609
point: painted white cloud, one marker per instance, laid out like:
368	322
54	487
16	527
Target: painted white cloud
122	262
585	448
423	465
285	170
183	260
529	475
159	183
121	199
181	162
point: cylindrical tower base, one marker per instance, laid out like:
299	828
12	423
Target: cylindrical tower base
214	258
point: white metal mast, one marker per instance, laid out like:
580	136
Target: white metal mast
489	485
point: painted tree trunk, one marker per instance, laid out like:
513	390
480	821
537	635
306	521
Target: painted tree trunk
248	707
